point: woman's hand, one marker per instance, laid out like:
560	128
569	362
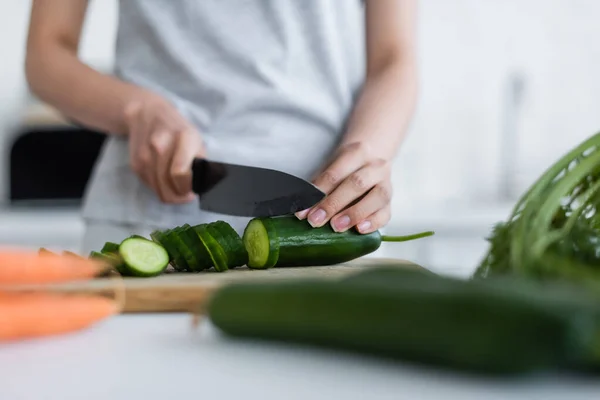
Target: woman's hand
162	146
358	188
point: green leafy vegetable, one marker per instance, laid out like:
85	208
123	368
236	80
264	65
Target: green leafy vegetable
553	231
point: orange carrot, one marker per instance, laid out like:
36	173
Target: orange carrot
30	315
21	267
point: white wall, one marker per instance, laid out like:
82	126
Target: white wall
469	48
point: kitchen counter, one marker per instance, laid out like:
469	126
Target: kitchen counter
158	356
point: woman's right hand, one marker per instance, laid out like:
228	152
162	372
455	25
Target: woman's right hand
162	146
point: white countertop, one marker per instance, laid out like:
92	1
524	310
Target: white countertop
158	356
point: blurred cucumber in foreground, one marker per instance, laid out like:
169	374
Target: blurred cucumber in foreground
492	326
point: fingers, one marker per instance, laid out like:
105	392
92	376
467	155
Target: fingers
161	151
366	212
358	185
375	221
163	146
350	159
189	146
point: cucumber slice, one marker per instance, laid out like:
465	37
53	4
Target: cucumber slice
262	244
113	259
216	252
173	238
159	237
237	254
218	237
110	247
113	248
186	248
164	239
201	255
143	258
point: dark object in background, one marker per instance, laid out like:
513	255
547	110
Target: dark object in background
51	165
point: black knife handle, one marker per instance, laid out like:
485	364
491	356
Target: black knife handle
206	175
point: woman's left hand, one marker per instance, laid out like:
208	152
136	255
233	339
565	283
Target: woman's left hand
358	188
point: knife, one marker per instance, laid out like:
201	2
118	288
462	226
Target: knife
246	191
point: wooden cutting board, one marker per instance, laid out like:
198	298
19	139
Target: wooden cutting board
184	292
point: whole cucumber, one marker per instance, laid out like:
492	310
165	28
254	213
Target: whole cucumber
416	317
288	242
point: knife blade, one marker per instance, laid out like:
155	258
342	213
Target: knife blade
247	191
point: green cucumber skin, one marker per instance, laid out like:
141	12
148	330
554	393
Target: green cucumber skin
203	260
237	252
159	237
221	241
110	247
171	244
302	245
435	321
187	248
216	252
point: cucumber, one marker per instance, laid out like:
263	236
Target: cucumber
110	247
167	240
183	253
216	252
237	254
143	258
185	246
191	239
113	259
262	243
288	242
230	241
159	237
220	240
494	328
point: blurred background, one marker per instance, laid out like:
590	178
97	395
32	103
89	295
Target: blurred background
507	87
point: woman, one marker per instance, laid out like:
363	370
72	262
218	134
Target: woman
318	88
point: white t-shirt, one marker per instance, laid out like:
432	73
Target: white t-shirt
267	82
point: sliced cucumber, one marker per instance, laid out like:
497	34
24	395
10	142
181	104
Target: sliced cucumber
186	248
262	244
113	259
110	247
237	254
168	242
220	240
143	258
203	260
159	237
216	252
